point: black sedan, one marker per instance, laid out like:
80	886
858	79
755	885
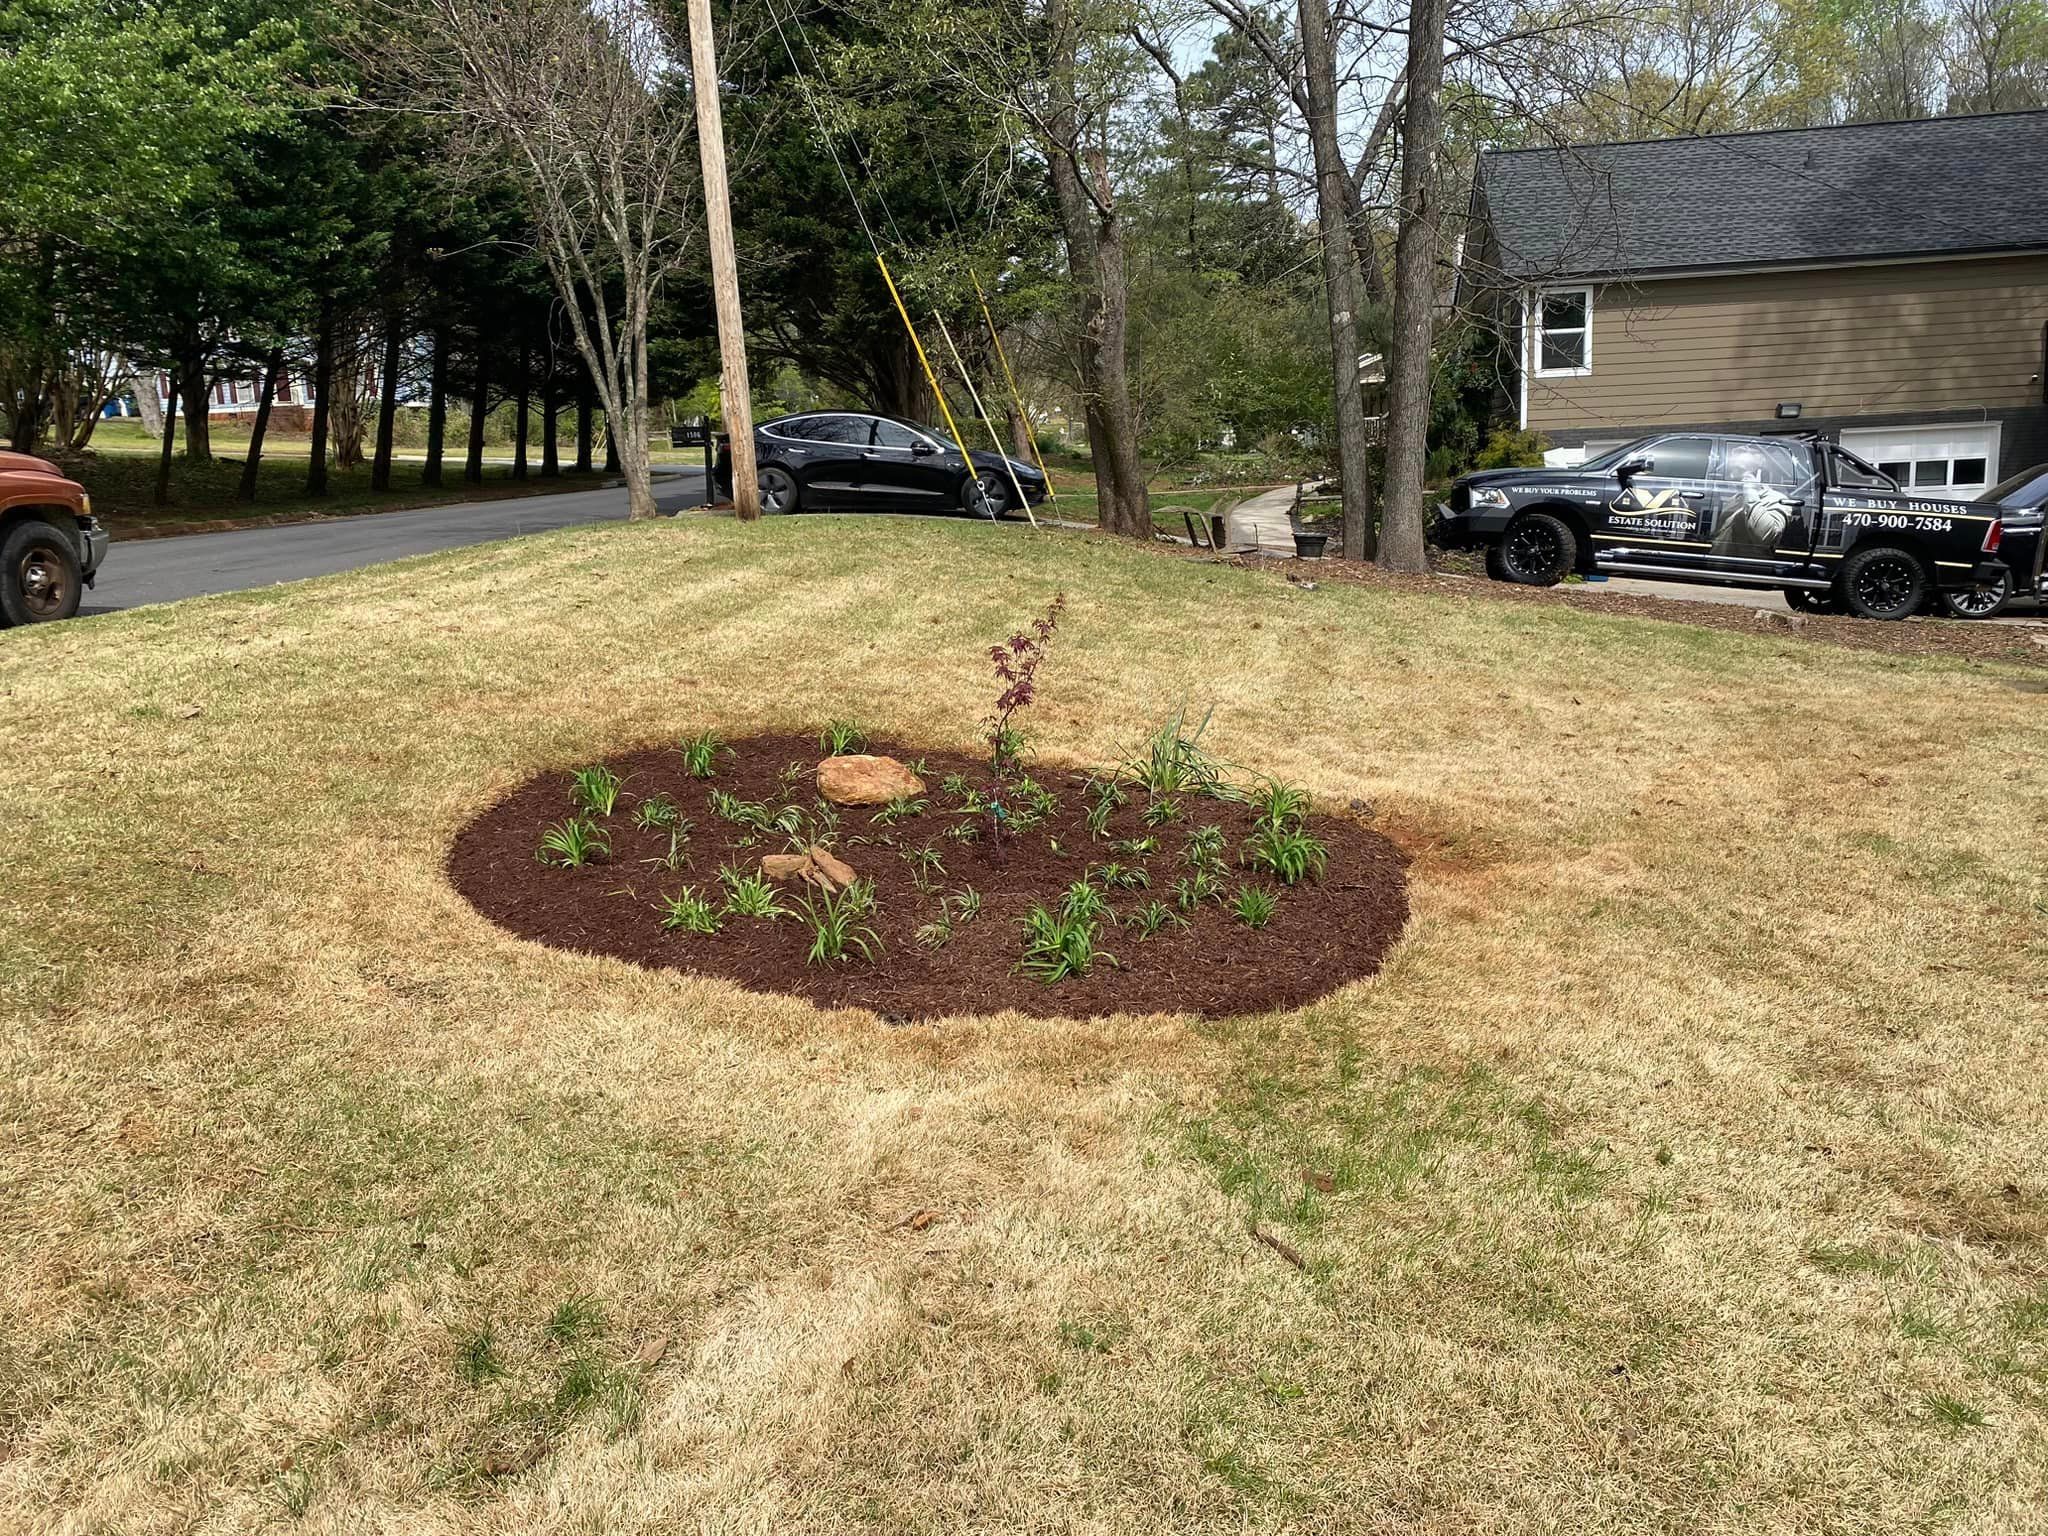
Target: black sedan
2022	504
851	461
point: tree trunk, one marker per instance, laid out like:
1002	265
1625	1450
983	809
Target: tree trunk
273	365
479	409
1404	547
1022	445
323	392
1089	223
550	425
1340	281
437	410
611	449
162	497
583	408
520	414
198	407
147	405
387	404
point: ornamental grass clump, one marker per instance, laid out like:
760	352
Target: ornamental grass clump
702	752
688	912
839	927
595	790
573	843
1063	944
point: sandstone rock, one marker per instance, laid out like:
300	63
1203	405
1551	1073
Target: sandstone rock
857	779
818	867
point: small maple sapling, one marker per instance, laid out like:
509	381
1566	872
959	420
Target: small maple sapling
1017	661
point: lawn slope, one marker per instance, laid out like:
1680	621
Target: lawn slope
1683	1170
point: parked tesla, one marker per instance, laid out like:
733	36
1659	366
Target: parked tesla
854	461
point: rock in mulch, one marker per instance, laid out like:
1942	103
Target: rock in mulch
816	866
857	779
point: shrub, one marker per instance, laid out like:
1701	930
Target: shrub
1253	906
573	843
595	790
690	913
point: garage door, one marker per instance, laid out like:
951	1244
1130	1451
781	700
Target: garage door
1953	463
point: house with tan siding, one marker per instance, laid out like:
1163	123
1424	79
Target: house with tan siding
1884	283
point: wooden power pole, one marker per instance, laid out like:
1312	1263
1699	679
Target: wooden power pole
725	277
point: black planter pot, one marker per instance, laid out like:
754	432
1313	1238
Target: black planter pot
1309	546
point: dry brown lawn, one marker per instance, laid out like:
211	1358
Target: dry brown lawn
1687	1166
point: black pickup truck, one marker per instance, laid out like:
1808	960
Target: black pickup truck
1793	513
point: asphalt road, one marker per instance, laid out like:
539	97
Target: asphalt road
140	571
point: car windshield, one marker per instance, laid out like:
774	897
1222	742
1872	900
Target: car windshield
2006	489
1614	456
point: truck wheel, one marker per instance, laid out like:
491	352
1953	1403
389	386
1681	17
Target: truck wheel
1882	581
1538	550
1981	601
1807	600
1494	568
39	575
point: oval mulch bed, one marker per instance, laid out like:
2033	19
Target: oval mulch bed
1323	935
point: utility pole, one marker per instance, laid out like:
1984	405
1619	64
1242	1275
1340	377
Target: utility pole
725	277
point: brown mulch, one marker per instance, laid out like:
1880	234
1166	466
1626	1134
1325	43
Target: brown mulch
1323	935
1768	616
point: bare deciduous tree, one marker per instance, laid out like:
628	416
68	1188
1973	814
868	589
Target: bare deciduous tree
586	106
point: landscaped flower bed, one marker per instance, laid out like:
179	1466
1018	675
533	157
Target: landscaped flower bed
925	883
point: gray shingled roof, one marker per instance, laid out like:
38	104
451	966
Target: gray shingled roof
1806	195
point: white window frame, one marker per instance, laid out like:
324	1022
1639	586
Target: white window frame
1541	372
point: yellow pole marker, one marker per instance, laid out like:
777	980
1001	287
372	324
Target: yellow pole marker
981	410
1011	379
929	377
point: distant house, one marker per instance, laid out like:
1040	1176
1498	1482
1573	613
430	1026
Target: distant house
1886	283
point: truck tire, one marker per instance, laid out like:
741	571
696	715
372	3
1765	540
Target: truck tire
1808	600
39	575
1882	581
1981	601
1537	550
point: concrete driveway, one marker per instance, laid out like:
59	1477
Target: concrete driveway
140	571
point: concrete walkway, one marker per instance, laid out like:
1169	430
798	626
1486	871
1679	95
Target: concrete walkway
1264	523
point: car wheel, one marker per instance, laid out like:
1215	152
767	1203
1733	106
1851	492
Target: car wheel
779	493
1981	601
1538	550
986	495
39	575
1883	582
1808	600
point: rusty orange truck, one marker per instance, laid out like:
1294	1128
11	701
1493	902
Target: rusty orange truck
51	546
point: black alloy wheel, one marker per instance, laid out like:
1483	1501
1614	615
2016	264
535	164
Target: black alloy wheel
1884	582
778	490
1980	601
39	576
1538	550
986	495
1811	600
